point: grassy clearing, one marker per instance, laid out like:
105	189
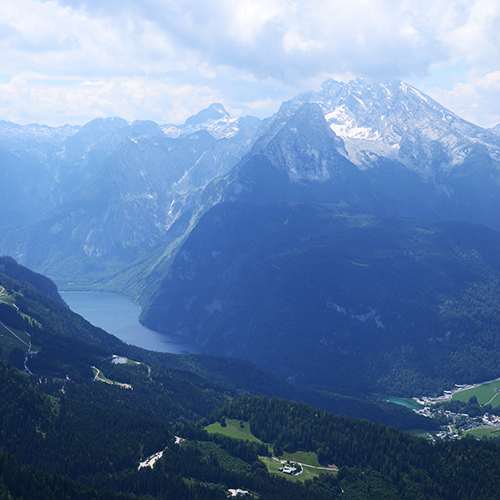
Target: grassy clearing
273	466
233	429
7	331
485	394
479	432
241	430
100	376
303	457
9	342
7	299
7	345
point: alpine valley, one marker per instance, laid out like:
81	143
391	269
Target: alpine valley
345	247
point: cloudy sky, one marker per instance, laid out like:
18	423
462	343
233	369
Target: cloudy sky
69	61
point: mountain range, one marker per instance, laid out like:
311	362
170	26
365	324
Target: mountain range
410	156
345	249
130	205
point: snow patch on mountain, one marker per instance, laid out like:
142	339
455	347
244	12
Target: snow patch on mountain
220	129
396	121
171	131
372	314
14	134
345	125
214	119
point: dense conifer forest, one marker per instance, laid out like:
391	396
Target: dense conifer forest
70	346
75	425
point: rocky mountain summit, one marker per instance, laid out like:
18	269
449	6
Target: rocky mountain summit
395	121
352	220
408	155
121	194
215	120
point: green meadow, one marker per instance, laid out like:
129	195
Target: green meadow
489	432
241	430
6	299
273	466
485	394
10	339
233	429
303	457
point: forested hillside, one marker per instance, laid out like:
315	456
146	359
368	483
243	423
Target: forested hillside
75	424
373	457
100	447
67	346
317	295
44	285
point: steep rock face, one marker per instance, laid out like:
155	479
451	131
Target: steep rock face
299	158
124	210
26	190
132	187
83	154
42	167
136	194
306	149
318	296
396	121
14	137
413	157
215	112
322	293
302	160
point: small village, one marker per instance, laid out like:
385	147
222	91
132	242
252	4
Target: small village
458	424
454	424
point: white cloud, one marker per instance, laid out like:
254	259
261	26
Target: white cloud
24	100
240	52
474	99
476	37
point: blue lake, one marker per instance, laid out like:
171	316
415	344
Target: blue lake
409	403
119	315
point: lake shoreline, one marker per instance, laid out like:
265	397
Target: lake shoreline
119	316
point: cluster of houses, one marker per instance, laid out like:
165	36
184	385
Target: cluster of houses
460	423
291	469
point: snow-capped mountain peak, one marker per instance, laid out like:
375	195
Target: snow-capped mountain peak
215	112
394	120
215	120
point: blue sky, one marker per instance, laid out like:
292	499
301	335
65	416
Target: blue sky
69	61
